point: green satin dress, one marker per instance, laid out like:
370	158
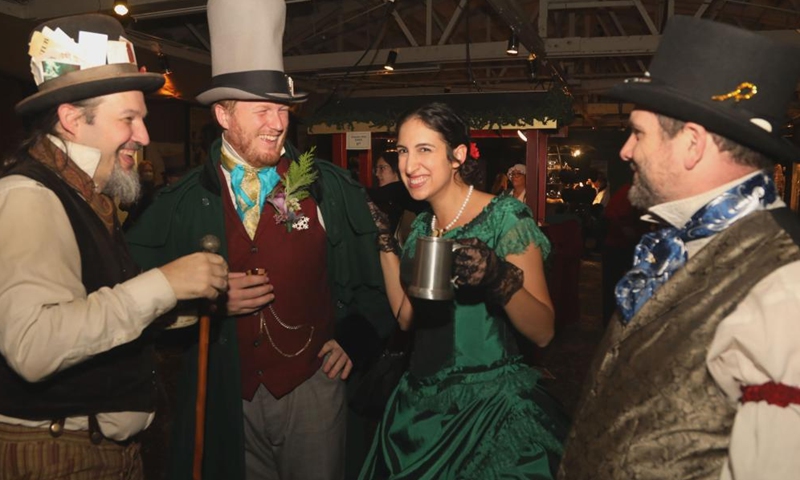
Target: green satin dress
469	408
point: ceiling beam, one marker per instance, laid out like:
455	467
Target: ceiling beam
43	9
556	48
482	52
452	23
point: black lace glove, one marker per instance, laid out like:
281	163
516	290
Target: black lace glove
386	240
476	265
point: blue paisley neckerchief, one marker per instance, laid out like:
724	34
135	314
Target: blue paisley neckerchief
268	178
660	254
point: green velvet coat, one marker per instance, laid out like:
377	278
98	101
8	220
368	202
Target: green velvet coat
173	226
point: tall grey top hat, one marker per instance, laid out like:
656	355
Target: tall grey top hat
735	83
247	52
79	57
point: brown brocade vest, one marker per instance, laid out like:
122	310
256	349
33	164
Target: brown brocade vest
297	268
650	409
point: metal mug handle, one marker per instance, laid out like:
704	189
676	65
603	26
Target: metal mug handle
456	246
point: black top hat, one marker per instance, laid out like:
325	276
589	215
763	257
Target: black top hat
735	83
81	73
247	52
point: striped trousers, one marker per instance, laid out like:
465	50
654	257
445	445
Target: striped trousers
33	454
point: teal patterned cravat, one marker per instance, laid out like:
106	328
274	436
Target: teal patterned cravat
250	189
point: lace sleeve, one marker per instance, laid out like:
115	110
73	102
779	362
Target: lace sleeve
518	230
419	228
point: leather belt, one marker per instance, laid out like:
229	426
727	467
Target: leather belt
96	436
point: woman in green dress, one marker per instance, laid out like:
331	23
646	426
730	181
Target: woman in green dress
468	408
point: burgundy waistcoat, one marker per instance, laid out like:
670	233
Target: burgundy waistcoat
297	268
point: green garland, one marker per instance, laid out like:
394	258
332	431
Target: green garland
479	110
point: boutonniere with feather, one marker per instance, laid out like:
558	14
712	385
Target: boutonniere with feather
293	189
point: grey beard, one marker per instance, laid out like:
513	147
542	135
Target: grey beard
122	185
642	195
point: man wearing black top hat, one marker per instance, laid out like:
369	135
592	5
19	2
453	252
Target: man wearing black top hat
306	289
77	379
697	376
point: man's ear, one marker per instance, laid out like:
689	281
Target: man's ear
70	118
221	114
696	138
460	153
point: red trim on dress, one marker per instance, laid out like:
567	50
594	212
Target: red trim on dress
772	393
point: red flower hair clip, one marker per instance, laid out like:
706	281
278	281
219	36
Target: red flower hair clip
473	151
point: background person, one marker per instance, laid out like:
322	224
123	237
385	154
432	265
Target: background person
76	356
392	197
600	185
517	176
146	195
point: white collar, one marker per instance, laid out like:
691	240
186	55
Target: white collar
678	212
85	157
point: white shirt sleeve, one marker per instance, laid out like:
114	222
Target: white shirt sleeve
759	343
49	323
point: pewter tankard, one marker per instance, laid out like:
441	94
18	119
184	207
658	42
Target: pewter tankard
432	272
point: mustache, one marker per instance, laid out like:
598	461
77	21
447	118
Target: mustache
131	146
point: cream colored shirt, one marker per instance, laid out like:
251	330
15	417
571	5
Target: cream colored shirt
757	343
49	323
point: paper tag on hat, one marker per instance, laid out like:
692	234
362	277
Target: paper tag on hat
53	69
93	48
38	45
121	51
131	51
36	71
52	46
59	36
53	53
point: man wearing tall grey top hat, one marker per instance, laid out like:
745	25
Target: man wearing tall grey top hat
77	379
698	374
306	292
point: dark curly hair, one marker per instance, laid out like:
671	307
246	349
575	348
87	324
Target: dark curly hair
43	124
440	118
390	157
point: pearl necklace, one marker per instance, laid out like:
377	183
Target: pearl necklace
440	232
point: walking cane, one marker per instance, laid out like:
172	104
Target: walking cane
210	244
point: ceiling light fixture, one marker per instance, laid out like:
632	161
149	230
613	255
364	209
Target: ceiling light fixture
522	135
390	60
164	60
513	44
533	66
121	7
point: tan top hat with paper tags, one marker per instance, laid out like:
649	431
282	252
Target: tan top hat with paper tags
247	52
79	57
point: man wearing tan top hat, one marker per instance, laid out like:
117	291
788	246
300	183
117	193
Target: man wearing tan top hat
77	379
306	293
698	374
